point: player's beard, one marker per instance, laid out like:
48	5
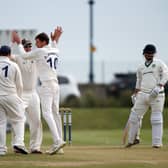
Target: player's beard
149	59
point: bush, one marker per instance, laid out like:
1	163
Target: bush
89	100
71	102
125	98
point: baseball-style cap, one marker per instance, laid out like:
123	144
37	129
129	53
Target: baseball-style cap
5	50
149	49
26	43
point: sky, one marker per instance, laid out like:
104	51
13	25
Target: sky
121	30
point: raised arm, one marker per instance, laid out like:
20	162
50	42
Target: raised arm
55	36
15	38
26	55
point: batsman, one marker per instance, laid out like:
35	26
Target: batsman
152	75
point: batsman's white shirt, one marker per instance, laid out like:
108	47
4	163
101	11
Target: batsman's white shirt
149	76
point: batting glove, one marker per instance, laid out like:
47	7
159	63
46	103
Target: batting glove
133	98
155	92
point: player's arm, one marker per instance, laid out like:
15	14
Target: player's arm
164	74
137	87
26	55
54	45
18	81
13	58
31	54
55	36
138	81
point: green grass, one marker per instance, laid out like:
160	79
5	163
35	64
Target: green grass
93	148
104	137
96	136
107	118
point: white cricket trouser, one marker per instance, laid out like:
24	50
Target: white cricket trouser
32	107
12	107
49	97
143	102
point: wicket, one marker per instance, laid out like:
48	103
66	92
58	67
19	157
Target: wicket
66	114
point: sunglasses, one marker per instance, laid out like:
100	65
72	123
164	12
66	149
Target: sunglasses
28	46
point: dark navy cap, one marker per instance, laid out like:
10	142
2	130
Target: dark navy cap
5	50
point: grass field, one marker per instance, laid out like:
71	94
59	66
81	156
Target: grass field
98	148
96	143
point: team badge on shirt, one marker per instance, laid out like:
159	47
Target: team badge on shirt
154	65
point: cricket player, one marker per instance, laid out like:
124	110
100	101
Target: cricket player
149	92
46	58
30	97
11	105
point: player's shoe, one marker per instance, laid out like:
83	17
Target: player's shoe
60	152
36	152
157	146
2	153
20	149
129	145
55	148
136	141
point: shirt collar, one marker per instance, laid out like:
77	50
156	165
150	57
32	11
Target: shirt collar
4	58
148	63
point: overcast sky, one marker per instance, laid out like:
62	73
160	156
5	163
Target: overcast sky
121	29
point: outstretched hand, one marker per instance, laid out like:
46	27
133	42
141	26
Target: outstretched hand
57	33
15	37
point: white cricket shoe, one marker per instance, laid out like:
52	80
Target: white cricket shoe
56	147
